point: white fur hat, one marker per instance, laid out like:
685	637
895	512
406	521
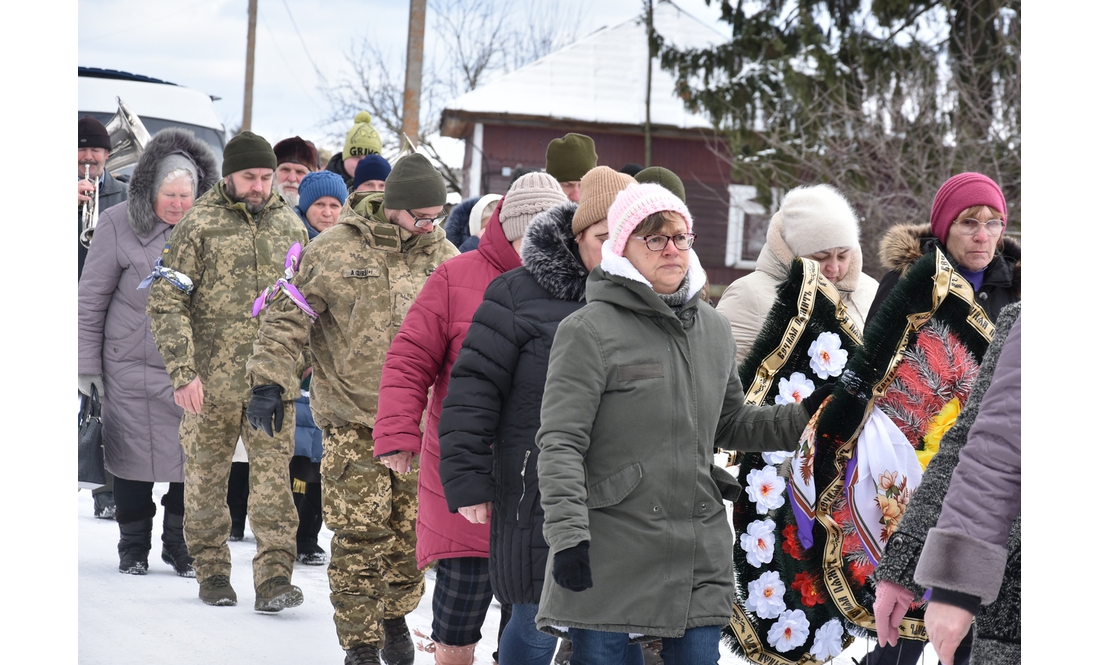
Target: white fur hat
817	218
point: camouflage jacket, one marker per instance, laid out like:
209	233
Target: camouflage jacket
360	277
230	257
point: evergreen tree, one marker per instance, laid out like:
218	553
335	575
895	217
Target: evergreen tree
885	99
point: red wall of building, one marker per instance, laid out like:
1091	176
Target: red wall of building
704	174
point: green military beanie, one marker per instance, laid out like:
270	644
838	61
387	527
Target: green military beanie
659	175
362	139
247	151
570	157
414	184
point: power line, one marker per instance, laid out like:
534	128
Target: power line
289	67
303	42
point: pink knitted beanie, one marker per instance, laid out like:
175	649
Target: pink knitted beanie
633	205
960	192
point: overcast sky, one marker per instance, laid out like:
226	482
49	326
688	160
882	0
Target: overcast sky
201	44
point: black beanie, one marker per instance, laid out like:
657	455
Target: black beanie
247	151
92	134
414	184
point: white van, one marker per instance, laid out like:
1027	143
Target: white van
157	103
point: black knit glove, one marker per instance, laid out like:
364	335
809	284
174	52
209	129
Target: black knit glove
571	568
813	402
266	402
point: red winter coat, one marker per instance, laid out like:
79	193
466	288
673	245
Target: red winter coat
419	359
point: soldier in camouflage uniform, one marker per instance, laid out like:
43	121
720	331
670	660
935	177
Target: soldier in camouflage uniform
359	278
221	255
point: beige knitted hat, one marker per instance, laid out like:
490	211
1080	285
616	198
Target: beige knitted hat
817	218
529	195
598	189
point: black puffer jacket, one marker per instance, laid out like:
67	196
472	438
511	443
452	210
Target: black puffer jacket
904	244
491	412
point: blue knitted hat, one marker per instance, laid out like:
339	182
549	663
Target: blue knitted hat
318	184
371	167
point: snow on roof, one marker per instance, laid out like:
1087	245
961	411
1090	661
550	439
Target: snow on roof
599	78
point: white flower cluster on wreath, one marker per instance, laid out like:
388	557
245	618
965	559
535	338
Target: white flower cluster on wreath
766	489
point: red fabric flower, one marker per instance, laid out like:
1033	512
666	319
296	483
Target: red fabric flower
809	586
791	546
860	571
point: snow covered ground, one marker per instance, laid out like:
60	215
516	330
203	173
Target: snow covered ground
158	618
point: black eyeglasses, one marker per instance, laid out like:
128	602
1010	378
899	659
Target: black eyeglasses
657	243
421	222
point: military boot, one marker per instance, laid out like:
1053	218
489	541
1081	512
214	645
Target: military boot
134	542
399	649
174	549
277	594
362	654
216	590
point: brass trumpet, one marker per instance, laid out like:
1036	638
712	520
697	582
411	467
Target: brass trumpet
89	212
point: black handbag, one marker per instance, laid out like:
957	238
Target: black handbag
90	473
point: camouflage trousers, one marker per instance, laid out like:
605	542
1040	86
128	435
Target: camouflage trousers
209	440
372	513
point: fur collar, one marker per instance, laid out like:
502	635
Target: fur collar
550	253
613	264
904	244
143	191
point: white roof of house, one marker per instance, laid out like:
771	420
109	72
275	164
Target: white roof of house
599	78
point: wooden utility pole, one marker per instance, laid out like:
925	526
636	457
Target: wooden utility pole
648	79
414	60
249	65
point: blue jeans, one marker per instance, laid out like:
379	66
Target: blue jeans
597	647
698	645
522	643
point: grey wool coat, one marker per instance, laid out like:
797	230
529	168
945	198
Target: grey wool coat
637	396
140	417
997	624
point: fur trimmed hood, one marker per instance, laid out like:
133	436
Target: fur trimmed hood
550	253
143	190
904	244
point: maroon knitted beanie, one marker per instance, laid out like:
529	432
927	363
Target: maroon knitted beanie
960	192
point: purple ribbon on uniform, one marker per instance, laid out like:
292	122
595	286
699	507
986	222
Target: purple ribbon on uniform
293	256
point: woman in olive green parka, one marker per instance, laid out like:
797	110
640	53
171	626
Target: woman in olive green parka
642	384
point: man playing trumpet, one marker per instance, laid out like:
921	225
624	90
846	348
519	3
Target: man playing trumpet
93	146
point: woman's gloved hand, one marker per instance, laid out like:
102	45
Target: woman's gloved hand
572	569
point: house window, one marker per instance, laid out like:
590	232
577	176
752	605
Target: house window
747	228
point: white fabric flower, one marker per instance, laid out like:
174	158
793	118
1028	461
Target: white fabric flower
777	456
766	596
826	357
795	389
766	489
789	631
827	641
758	541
